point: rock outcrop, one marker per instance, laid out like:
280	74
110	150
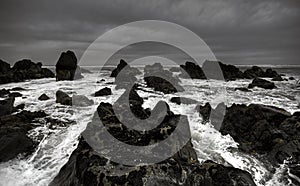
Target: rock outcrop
87	167
257	82
161	80
23	70
270	132
193	71
63	98
43	97
67	68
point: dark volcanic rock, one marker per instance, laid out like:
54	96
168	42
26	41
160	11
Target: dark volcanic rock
270	73
269	131
182	100
66	67
4	92
161	80
231	72
43	97
193	71
257	82
103	92
86	167
291	78
13	134
24	70
7	106
254	72
125	76
15	94
63	98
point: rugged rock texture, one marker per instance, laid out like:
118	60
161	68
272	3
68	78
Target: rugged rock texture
266	130
63	98
257	82
230	72
43	97
23	70
13	134
254	72
86	167
103	92
182	100
67	68
7	106
194	71
161	80
125	76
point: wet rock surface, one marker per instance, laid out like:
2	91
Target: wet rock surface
67	68
103	92
87	167
265	130
161	80
23	70
261	83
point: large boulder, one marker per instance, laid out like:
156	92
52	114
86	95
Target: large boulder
63	98
67	68
193	71
254	72
257	82
161	80
231	72
43	97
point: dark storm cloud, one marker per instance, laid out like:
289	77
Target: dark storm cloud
238	31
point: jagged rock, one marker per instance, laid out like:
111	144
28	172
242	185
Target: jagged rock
254	72
161	80
103	92
7	106
257	82
63	98
182	100
86	167
23	70
81	101
66	67
43	97
13	134
230	72
243	89
193	71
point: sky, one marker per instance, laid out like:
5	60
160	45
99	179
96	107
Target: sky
237	31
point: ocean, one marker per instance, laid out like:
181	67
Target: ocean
57	144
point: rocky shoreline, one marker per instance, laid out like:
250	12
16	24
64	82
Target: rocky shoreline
260	130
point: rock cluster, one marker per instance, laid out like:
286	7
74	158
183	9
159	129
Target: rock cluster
266	130
23	70
161	80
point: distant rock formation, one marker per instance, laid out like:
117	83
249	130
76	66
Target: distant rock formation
67	68
258	82
161	80
23	70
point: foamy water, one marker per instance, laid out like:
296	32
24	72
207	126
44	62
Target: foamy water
56	145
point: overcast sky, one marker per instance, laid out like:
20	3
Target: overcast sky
237	31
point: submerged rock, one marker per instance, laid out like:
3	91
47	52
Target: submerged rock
7	106
103	92
67	68
257	82
243	89
182	100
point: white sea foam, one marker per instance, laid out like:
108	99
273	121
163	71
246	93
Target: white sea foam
57	144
